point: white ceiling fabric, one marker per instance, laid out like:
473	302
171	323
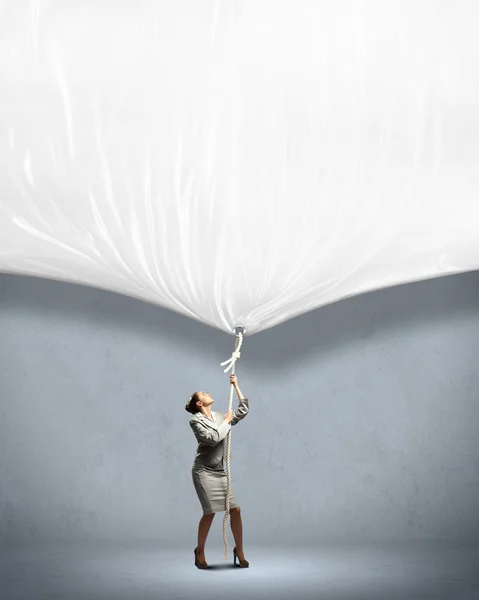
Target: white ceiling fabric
239	162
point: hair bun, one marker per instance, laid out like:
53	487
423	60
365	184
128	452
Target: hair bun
190	406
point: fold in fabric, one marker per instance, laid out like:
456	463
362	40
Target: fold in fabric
239	163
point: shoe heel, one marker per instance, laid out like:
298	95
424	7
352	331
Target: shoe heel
198	564
242	563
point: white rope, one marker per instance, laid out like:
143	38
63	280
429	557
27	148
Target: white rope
234	357
232	360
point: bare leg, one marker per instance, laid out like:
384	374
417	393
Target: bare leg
237	529
203	530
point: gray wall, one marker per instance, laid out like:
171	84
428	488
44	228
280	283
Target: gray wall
363	422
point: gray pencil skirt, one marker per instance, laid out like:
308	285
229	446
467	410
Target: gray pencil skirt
210	486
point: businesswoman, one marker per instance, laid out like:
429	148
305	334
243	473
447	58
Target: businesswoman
209	477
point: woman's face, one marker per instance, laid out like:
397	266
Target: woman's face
206	399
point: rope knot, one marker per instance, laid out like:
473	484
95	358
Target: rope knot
231	361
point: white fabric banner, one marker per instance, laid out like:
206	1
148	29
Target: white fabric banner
239	162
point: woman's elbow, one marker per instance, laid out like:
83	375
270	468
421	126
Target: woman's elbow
210	441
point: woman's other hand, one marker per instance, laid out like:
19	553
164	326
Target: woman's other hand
233	380
229	416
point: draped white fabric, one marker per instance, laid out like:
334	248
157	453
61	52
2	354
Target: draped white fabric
239	161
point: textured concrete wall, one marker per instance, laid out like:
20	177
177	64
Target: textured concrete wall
363	424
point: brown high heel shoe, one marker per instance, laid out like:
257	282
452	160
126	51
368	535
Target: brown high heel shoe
244	564
200	565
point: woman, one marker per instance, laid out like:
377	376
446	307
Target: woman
209	477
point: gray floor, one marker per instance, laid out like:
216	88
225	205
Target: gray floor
131	570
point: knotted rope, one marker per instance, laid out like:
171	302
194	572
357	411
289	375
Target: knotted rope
231	361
